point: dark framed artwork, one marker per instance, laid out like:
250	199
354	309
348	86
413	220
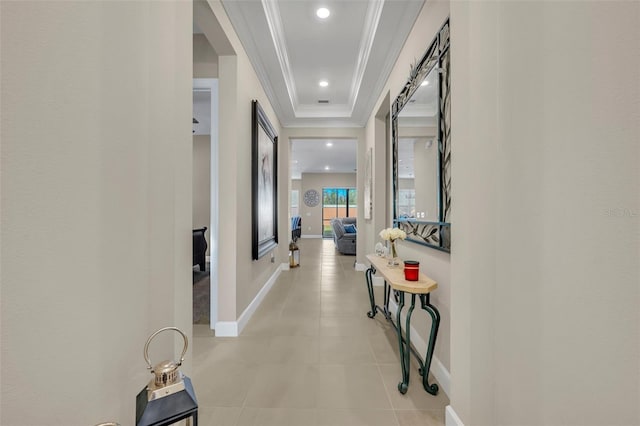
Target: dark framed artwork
264	183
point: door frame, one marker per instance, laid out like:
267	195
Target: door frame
211	85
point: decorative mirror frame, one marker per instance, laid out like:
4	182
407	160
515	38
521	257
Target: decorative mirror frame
436	235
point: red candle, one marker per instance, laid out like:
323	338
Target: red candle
411	270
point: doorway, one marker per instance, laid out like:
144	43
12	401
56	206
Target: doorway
205	189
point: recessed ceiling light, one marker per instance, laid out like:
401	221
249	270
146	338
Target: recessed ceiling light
323	83
326	167
323	13
329	144
425	83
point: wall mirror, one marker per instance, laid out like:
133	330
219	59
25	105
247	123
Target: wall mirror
421	137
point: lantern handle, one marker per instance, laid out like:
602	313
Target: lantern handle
146	346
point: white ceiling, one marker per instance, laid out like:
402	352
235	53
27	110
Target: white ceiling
315	155
291	50
353	49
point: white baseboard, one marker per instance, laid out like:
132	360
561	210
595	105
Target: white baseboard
255	303
451	418
438	369
226	329
361	267
311	236
234	328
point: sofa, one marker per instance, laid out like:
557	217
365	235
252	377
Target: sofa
344	234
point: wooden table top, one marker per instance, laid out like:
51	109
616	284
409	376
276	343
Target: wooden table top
395	277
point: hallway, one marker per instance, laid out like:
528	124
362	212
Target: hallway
310	357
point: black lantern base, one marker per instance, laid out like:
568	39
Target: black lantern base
169	409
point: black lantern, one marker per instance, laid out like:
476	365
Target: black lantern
169	397
294	255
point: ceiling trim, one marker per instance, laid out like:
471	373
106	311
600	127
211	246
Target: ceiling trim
374	11
252	19
274	21
272	13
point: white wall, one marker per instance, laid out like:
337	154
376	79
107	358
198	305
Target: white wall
432	262
545	249
96	203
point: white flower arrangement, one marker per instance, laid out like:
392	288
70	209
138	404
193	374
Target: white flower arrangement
392	234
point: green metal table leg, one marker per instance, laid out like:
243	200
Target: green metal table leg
372	298
435	324
404	384
404	343
368	275
385	308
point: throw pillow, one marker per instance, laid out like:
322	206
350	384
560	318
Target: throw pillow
350	229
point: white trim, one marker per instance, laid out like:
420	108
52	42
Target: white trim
438	369
226	329
211	84
361	267
372	19
276	29
440	373
272	14
234	328
255	303
451	418
311	236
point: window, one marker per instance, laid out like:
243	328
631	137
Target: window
406	203
337	202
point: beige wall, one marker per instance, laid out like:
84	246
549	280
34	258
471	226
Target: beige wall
312	216
202	185
241	278
378	138
296	185
205	59
545	294
432	262
96	203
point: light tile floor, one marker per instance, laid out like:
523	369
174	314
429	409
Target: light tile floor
310	357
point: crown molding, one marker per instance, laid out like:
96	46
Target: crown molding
374	11
274	21
272	13
370	69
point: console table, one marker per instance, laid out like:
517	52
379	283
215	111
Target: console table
394	280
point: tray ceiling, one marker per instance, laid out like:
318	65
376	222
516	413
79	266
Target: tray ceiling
292	50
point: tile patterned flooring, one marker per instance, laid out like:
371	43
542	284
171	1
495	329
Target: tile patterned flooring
310	357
